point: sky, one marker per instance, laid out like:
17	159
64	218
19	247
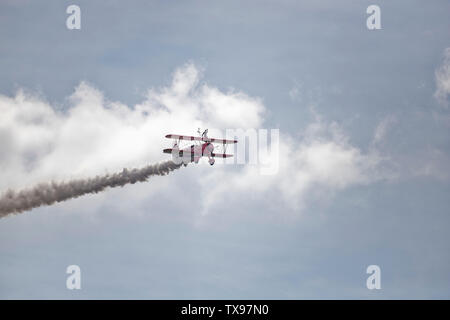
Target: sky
362	157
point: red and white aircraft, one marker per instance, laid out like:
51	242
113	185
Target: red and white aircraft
193	153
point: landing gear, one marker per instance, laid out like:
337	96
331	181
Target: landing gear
211	161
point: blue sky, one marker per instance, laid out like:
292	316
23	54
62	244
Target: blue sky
364	162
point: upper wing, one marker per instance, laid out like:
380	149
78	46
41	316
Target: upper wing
191	138
221	155
223	141
178	137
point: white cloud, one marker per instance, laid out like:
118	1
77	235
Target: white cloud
296	91
95	135
442	77
321	160
383	128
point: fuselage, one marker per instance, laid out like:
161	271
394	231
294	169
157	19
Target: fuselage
193	153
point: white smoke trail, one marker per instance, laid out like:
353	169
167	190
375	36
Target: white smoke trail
12	202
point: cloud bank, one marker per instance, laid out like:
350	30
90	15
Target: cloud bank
91	135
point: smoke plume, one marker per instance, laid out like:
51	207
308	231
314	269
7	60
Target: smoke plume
12	202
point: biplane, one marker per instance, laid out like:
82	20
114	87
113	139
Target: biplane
203	147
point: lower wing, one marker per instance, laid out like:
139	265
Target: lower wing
221	155
180	152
